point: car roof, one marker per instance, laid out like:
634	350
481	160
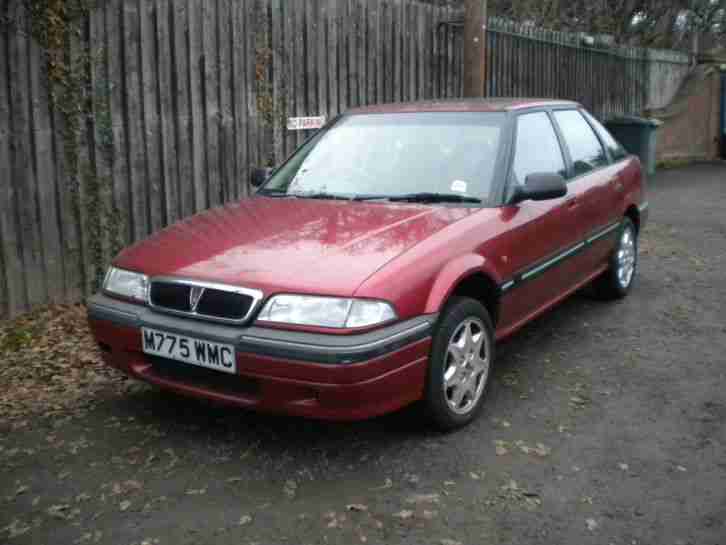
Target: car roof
463	105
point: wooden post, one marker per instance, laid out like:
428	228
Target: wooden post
475	24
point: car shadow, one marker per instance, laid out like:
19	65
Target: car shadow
181	415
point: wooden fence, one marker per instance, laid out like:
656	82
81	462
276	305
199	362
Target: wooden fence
156	109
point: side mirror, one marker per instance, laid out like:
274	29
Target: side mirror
540	186
259	176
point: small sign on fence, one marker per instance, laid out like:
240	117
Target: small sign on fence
305	123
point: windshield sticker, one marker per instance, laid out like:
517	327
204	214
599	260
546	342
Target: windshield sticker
459	186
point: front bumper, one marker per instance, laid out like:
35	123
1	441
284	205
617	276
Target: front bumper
331	377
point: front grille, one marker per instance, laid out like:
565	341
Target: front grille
171	296
231	306
215	302
200	377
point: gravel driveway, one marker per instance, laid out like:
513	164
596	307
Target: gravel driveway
605	424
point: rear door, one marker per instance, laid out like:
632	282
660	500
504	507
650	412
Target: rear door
596	181
543	236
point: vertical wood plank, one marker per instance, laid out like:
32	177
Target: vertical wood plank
152	128
196	95
12	279
119	158
45	175
182	105
342	47
361	49
267	107
239	80
134	121
23	167
103	134
371	51
253	132
322	53
167	92
381	60
311	80
298	38
352	28
278	83
226	117
210	100
289	61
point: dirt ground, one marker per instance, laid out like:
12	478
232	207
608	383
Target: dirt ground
605	425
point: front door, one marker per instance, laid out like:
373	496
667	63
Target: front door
542	236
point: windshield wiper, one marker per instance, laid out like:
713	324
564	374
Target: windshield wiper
320	196
282	193
421	197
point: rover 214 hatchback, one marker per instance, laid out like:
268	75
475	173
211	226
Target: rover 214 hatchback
380	264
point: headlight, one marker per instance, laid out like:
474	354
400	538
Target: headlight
326	311
127	284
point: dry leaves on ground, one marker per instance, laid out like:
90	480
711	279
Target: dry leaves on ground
49	362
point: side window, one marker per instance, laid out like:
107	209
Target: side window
538	149
616	150
585	149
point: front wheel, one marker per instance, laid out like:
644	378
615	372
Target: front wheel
615	283
460	364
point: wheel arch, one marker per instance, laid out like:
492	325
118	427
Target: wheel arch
633	214
468	276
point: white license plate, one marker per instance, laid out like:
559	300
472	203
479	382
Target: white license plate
217	356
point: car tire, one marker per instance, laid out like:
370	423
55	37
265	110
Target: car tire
460	364
617	281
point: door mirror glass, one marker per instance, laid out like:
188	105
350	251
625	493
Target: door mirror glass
541	186
259	176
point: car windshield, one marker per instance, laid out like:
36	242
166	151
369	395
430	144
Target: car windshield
435	156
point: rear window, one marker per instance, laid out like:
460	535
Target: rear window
585	149
617	151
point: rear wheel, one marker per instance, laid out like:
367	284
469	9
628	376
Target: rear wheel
615	283
461	360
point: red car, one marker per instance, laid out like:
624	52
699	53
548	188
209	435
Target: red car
379	265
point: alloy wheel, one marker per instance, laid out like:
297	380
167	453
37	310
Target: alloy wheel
626	257
467	366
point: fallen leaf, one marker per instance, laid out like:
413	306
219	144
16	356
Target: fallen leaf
15	529
290	488
124	505
623	467
450	542
405	514
359	507
58	511
244	520
196	491
501	447
423	498
388	483
591	524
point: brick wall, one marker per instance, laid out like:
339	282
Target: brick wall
691	122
